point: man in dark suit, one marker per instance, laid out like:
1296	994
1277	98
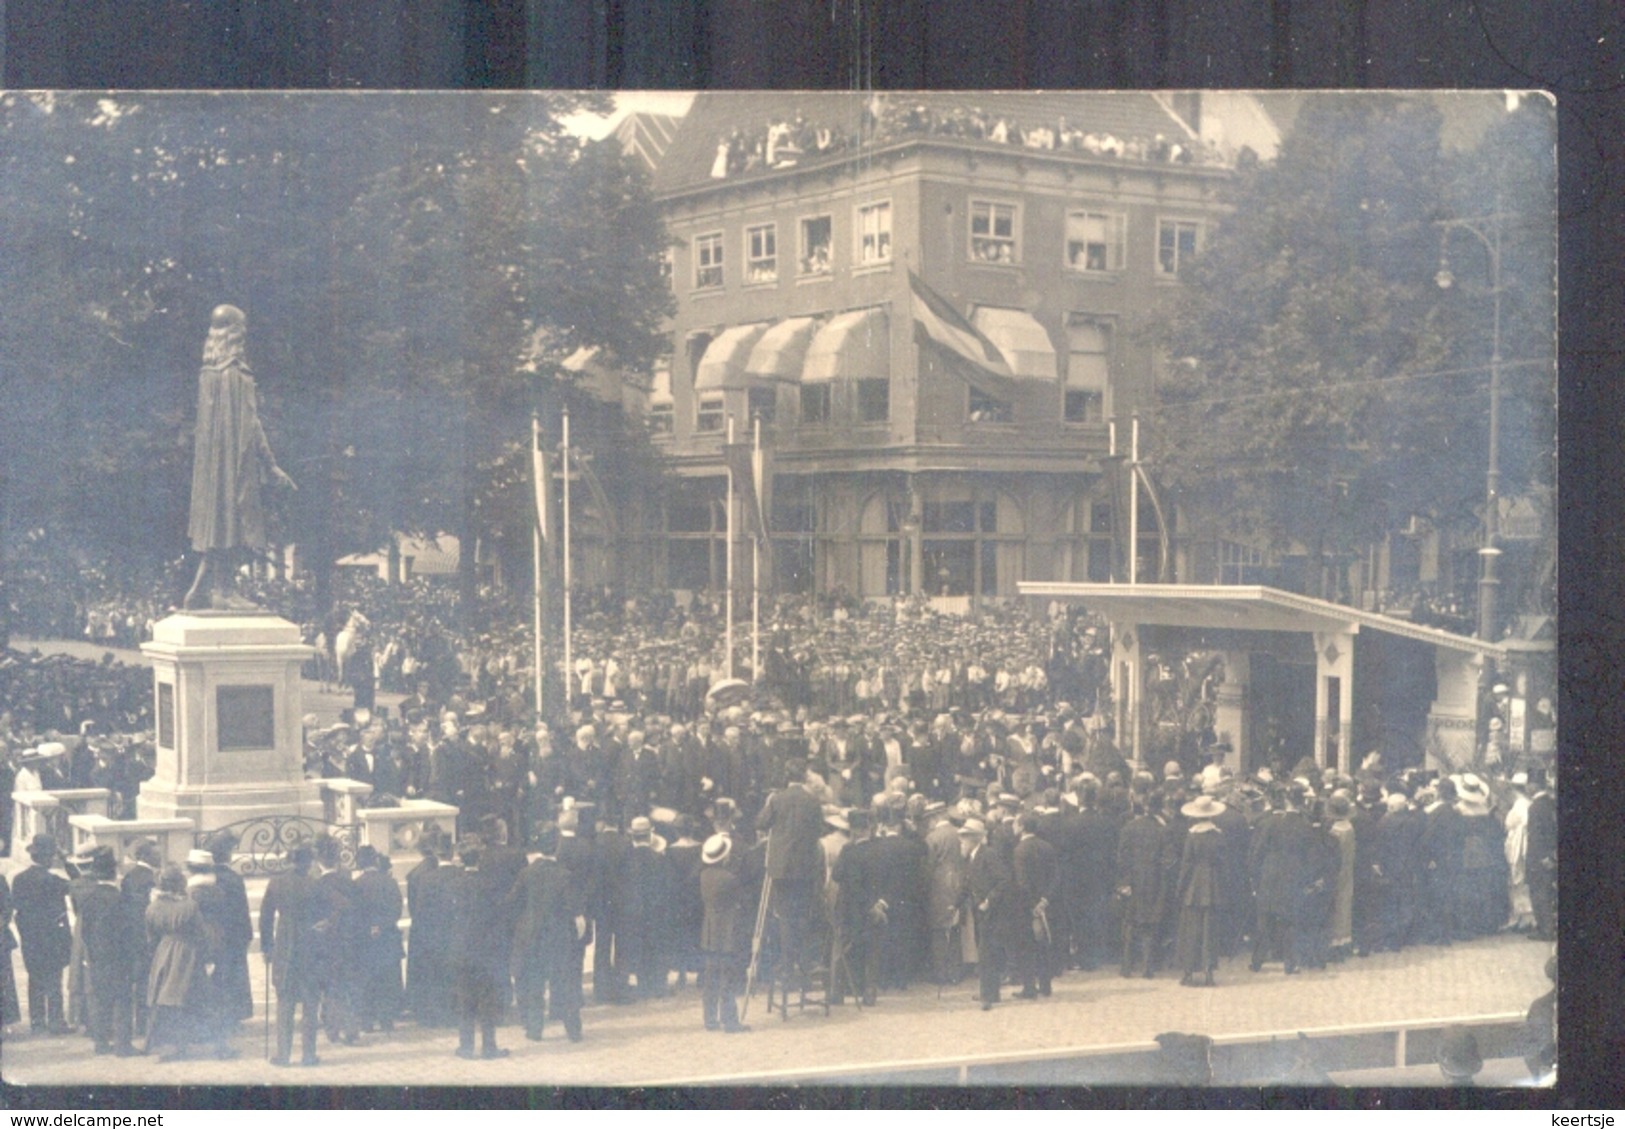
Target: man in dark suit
1146	867
1037	873
432	893
551	926
479	968
1396	851
579	858
1284	857
289	913
231	974
859	914
339	944
378	907
136	888
987	896
1089	871
40	901
1442	841
725	933
645	920
1541	867
637	776
902	863
113	942
794	822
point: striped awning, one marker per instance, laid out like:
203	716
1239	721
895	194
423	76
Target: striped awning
1026	347
853	345
781	351
723	366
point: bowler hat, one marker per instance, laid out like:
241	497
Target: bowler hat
1459	1057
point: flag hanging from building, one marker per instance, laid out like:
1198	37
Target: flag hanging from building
942	324
541	481
741	462
595	487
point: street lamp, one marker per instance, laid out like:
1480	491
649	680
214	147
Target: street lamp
1487	230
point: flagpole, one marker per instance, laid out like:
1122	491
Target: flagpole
1116	488
728	632
569	667
756	555
1134	504
538	484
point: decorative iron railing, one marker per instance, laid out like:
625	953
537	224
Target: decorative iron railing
264	843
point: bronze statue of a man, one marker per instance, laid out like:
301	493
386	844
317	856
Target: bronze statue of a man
230	464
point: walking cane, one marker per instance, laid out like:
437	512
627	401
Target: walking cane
756	946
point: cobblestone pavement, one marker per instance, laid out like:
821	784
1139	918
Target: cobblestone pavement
663	1042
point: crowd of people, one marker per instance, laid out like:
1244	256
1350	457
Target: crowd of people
899	797
1016	883
786	142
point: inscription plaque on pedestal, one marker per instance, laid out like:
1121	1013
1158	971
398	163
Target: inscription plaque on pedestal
166	715
246	717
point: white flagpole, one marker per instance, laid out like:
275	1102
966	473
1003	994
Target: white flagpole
756	555
569	666
538	484
1134	504
1111	450
728	632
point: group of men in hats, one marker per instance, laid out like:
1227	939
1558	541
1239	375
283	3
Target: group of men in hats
137	968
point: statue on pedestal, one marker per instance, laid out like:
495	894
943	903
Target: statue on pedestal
231	463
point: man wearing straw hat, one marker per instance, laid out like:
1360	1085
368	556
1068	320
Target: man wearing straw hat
725	934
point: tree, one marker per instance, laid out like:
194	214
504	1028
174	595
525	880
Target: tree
494	250
399	259
1320	392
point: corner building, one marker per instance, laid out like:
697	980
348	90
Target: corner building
1051	222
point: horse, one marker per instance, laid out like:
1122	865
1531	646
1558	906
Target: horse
344	643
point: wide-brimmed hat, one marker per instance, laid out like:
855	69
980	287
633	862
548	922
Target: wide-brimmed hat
1203	807
716	849
199	859
973	826
641	828
1472	795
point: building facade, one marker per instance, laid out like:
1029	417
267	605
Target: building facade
806	228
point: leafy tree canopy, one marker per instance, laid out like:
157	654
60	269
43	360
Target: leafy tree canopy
1320	387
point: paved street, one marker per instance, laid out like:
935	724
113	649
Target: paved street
663	1042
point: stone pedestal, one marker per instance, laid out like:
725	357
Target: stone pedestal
228	738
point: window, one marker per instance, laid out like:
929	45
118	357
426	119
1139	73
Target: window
661	418
815	403
992	232
987	409
874	234
816	244
1088	371
708	261
1176	244
1094	241
764	403
874	401
709	417
761	253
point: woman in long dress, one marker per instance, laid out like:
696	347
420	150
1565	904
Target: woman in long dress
1195	944
1522	917
177	987
1341	829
